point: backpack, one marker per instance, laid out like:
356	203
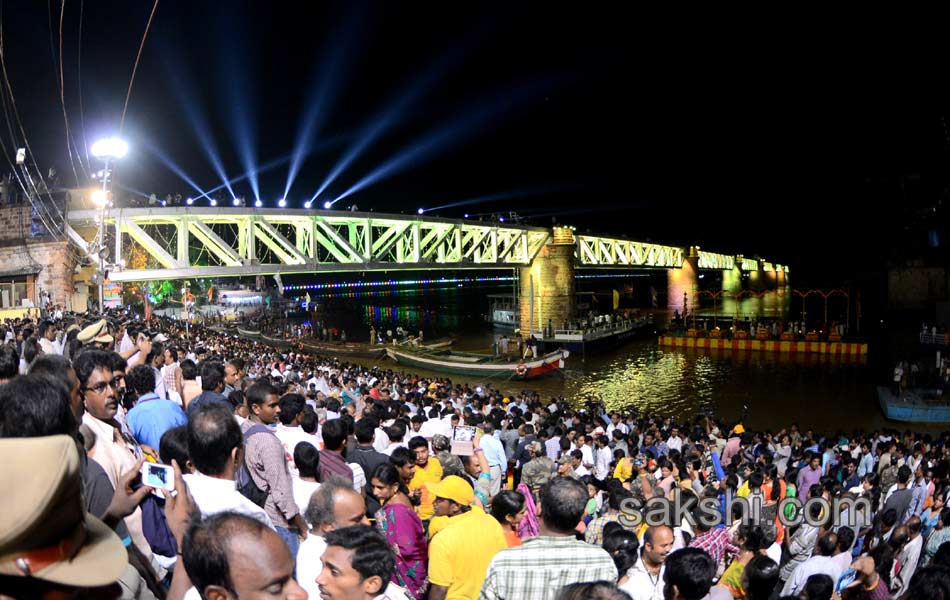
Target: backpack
242	478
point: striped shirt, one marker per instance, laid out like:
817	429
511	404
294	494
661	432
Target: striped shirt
267	463
541	566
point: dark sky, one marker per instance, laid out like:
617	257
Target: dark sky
600	118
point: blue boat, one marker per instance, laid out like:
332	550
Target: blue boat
914	406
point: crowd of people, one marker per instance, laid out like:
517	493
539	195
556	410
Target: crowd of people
293	475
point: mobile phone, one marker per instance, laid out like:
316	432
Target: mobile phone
158	476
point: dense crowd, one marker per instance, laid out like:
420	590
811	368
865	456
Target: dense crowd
292	474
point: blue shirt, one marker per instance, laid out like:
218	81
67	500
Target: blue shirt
208	397
494	452
866	465
151	417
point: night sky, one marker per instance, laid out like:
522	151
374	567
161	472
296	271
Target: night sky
600	119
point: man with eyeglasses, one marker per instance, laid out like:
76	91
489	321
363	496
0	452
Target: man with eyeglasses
115	451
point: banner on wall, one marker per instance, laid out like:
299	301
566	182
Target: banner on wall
112	294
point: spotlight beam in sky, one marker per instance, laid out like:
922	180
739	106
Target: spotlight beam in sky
457	130
332	79
196	119
273	164
495	197
394	111
239	99
172	166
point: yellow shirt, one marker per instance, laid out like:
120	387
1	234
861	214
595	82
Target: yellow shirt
459	555
432	472
624	470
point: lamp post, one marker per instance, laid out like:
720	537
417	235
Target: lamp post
107	149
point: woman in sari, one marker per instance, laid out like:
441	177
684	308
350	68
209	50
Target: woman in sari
403	530
752	542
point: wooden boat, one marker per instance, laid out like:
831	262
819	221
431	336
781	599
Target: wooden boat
478	365
249	333
277	342
914	406
353	349
363	350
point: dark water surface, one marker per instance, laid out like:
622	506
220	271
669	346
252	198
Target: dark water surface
814	391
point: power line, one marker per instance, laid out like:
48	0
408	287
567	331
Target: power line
135	67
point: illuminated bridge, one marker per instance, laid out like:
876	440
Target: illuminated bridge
195	242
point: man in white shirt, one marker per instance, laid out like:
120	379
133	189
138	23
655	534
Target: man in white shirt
587	452
821	563
615	423
909	556
334	506
288	430
603	458
210	428
675	442
646	576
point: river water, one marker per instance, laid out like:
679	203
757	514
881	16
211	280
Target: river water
816	392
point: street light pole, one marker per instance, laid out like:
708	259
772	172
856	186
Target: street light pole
107	149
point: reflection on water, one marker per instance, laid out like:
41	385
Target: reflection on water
772	304
817	391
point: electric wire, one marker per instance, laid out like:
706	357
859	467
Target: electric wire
62	96
135	67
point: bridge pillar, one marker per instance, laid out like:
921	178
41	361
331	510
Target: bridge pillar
758	280
547	285
732	281
684	280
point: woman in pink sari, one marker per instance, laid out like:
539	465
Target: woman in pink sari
399	523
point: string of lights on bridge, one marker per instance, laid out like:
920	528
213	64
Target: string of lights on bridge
440	280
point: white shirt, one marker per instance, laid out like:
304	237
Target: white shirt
430	428
302	491
602	468
310	564
213	495
359	476
775	553
675	443
843	560
641	585
381	441
588	454
388	450
289	438
909	558
816	565
622	427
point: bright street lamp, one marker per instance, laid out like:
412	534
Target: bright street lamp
111	148
100	198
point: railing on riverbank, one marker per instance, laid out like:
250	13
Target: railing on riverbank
935	339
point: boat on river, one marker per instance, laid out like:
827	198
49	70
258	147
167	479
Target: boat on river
478	365
914	405
601	336
362	349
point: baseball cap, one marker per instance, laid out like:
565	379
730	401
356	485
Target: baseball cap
453	488
45	531
565	459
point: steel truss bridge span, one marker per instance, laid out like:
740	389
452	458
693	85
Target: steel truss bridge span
218	242
194	242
